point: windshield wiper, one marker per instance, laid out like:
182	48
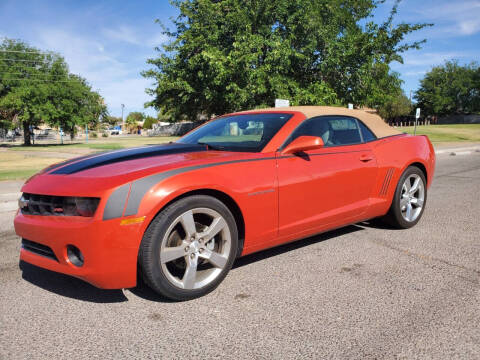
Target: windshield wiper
210	146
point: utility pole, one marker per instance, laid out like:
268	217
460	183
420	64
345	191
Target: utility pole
123	120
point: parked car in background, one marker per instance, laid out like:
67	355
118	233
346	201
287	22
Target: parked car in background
117	130
181	213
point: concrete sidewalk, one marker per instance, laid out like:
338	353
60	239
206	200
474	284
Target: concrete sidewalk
457	150
9	195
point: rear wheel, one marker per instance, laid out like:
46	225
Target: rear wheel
189	248
409	200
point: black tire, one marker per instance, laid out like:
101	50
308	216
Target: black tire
149	252
394	216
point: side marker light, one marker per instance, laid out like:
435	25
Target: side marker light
130	221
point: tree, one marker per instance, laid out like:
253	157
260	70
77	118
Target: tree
236	54
133	119
149	121
112	120
37	87
395	107
450	89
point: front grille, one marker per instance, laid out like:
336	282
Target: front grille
48	205
38	249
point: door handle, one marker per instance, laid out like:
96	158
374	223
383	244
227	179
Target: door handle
366	157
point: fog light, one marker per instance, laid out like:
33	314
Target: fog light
75	255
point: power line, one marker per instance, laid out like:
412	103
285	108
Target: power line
44	74
27	52
22	60
44	80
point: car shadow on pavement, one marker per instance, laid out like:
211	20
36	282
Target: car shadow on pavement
146	293
377	223
68	286
296	244
74	288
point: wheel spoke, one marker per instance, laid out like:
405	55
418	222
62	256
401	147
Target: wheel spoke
415	185
417	202
409	212
188	223
202	248
403	202
172	253
190	273
214	258
218	224
407	185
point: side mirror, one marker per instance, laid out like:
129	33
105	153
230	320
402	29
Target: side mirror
303	143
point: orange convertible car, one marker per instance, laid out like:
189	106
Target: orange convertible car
181	213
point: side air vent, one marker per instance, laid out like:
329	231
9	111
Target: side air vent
386	182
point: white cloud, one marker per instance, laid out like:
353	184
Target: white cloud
130	35
454	18
469	27
429	58
414	73
117	78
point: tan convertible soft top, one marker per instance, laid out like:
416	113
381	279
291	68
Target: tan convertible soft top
374	122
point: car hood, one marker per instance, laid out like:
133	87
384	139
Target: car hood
91	175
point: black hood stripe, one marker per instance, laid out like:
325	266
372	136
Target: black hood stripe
66	162
125	155
140	187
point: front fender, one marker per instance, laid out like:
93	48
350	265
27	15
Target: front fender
255	195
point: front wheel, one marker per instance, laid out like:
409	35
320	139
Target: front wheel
409	200
189	248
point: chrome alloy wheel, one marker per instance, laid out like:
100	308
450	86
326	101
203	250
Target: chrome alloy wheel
412	198
195	248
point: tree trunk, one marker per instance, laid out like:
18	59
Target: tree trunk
26	133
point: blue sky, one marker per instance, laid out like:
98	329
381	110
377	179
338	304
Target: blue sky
108	42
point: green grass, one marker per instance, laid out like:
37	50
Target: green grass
111	143
18	162
21	174
15	165
447	133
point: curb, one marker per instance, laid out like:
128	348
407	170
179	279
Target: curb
459	151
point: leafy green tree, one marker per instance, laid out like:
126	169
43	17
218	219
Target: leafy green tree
133	119
36	87
149	121
450	89
236	54
112	120
395	107
161	117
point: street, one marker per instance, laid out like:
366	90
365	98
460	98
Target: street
364	291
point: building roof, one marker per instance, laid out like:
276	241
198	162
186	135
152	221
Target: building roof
374	122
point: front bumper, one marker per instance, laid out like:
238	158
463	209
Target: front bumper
109	249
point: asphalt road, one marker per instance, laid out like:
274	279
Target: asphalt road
359	292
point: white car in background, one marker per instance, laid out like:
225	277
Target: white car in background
114	131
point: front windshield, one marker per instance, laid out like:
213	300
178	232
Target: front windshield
248	133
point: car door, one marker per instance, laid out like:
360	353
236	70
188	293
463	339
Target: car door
330	186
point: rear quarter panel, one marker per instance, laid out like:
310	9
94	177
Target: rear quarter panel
394	154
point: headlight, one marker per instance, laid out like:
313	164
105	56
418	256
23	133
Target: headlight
86	206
